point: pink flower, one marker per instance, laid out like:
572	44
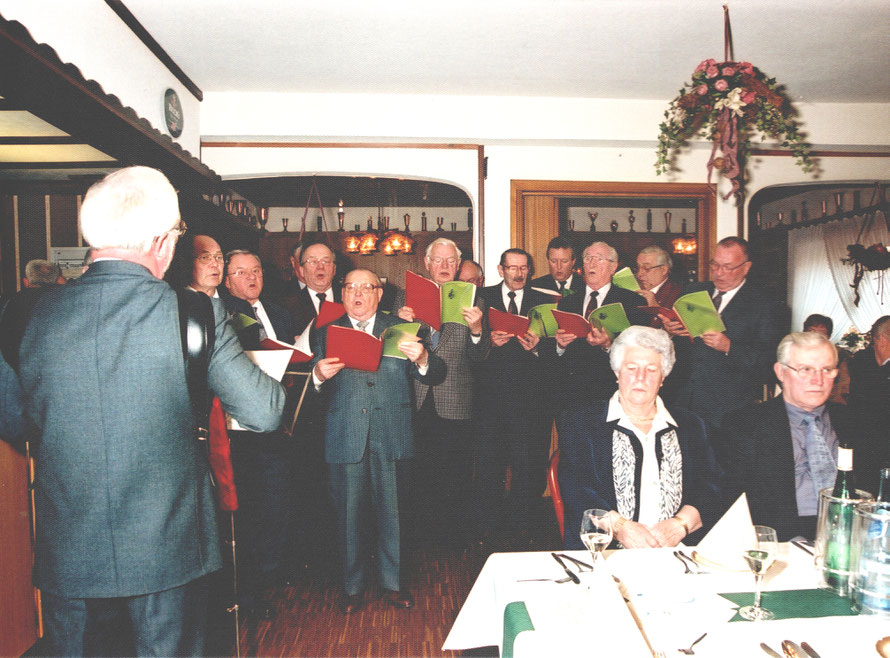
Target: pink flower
712	71
704	65
721	85
728	71
748	97
746	67
701	90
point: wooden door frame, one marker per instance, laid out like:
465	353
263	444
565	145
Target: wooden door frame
534	238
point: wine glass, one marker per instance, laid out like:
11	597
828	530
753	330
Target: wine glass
596	531
759	555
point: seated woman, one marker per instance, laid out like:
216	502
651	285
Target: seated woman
651	466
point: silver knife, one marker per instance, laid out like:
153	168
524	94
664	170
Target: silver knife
571	574
792	649
769	652
810	650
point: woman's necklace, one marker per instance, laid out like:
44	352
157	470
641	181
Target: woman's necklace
642	419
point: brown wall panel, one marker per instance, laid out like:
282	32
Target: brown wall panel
32	228
63	220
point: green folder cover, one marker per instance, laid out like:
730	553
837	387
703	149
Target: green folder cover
542	321
242	321
611	318
624	278
396	334
456	296
697	312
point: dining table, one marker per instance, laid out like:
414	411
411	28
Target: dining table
642	602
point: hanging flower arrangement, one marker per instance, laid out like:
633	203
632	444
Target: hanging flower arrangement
875	258
727	102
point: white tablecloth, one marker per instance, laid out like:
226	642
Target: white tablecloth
672	608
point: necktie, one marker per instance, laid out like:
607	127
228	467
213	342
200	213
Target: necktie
321	297
362	325
591	304
823	468
562	286
434	338
718	299
262	330
512	306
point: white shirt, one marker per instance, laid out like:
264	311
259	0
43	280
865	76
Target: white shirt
264	319
519	293
650	481
328	297
600	295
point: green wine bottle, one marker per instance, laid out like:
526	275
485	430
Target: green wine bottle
840	524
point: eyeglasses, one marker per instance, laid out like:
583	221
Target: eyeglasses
805	372
318	262
589	258
206	259
723	267
353	288
180	229
451	260
645	268
514	269
243	272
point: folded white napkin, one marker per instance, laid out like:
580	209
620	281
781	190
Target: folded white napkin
722	547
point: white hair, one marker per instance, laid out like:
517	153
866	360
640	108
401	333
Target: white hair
128	209
445	241
648	337
802	339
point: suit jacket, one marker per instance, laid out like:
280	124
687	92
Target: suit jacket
668	293
301	307
453	397
359	404
586	474
278	316
547	281
512	377
715	383
583	372
123	496
758	458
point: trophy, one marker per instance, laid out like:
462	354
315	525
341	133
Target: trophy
341	214
593	216
630	220
614	226
667	221
439	222
407	220
284	223
649	220
263	217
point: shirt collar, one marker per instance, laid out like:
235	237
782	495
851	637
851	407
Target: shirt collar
796	415
660	421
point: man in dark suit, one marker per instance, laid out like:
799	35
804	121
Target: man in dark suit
561	261
317	268
262	464
782	452
581	363
509	408
443	465
727	370
367	434
869	401
124	505
208	264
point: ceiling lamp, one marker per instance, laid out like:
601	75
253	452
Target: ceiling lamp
396	242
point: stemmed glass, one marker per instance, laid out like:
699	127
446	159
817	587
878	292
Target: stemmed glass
759	555
596	531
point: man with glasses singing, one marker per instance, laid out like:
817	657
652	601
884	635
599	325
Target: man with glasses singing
443	466
722	371
582	362
784	451
368	434
653	272
317	267
207	265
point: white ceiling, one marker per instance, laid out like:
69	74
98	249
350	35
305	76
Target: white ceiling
822	50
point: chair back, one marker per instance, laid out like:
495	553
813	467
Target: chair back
553	481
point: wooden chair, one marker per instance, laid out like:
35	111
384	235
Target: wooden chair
553	481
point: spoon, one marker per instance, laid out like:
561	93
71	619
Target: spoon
791	650
689	651
883	646
683	562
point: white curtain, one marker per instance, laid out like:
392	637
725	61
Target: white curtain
818	282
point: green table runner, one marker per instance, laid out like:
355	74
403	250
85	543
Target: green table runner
516	620
796	603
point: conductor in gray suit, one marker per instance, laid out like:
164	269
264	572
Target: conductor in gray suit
367	432
124	506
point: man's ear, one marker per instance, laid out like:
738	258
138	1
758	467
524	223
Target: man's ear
780	372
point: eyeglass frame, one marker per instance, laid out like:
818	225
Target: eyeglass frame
805	372
723	267
644	268
207	258
589	258
313	262
242	272
364	286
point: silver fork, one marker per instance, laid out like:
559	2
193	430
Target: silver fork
544	580
683	562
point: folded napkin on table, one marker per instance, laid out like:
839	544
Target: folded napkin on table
516	620
796	603
722	547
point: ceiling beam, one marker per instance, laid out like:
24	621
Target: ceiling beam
99	164
39	141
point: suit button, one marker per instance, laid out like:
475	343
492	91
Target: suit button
364	411
370	384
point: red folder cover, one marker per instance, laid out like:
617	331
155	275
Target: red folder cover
516	325
328	312
298	355
572	323
660	310
423	296
221	459
357	349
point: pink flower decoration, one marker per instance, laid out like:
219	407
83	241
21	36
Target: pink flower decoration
728	71
712	71
701	90
721	85
748	97
704	65
746	67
